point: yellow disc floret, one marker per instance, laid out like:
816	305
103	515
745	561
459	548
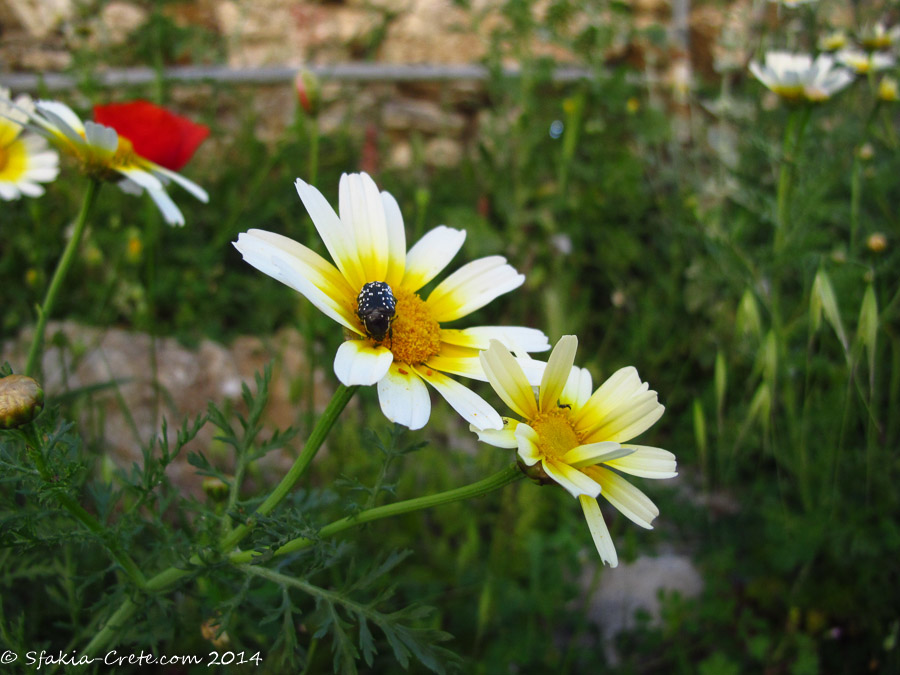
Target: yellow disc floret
415	334
556	433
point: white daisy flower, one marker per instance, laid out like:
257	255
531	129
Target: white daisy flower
862	62
105	155
879	36
575	438
796	77
25	160
396	337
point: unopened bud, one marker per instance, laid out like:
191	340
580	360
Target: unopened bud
876	242
887	90
309	93
21	400
215	488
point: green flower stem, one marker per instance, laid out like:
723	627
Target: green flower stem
62	267
168	577
498	480
856	179
793	134
313	130
340	399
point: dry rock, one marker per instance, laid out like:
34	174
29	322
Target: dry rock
121	419
630	587
425	116
443	152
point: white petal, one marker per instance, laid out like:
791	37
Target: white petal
527	440
362	212
302	269
431	254
63	118
8	191
143	178
188	185
633	503
337	237
514	338
101	138
559	365
647	462
599	532
404	397
396	240
631	419
508	380
621	385
578	388
499	438
594	453
30	189
471	287
171	213
574	481
474	409
358	362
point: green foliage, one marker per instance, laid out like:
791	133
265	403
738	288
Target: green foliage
776	352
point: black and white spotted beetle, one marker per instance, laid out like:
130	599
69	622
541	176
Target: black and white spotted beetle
376	306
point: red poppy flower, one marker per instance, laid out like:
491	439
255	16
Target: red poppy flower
155	133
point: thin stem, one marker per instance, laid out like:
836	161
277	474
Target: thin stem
498	480
313	128
340	399
168	577
62	267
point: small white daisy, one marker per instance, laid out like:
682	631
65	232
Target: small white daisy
25	160
797	77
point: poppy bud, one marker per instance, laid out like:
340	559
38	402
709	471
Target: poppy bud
309	93
21	400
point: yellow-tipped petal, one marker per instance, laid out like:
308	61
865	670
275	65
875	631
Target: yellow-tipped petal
508	380
559	366
599	531
430	255
362	212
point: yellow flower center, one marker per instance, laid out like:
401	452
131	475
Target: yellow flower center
792	92
4	158
416	335
556	433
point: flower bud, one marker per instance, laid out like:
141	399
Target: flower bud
876	242
21	400
309	93
887	90
215	489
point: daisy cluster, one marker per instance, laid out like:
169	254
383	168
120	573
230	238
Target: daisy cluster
397	310
798	77
398	340
137	145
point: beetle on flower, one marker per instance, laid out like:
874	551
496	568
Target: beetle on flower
396	337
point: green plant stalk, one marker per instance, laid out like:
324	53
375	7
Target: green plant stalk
793	135
62	268
313	129
856	179
493	482
168	577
